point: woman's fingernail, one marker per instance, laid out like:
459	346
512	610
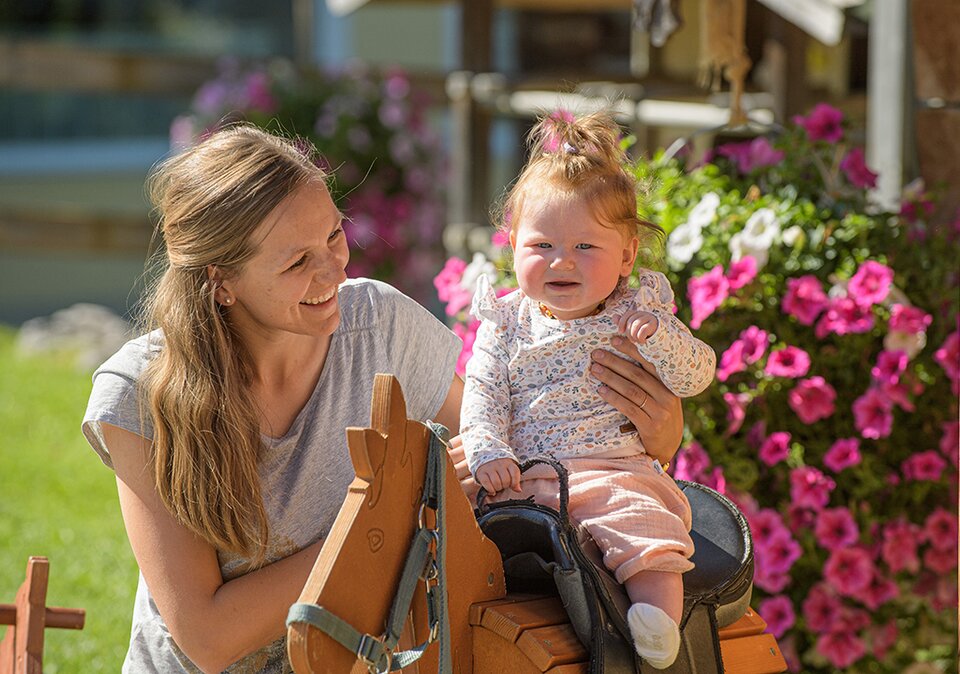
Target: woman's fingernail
616	341
596	369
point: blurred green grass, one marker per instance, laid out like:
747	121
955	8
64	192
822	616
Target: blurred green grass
59	501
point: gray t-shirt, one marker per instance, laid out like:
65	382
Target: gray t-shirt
305	474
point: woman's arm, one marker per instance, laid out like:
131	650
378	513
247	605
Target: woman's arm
449	414
639	394
213	622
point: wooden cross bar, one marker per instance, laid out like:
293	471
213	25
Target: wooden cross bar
21	651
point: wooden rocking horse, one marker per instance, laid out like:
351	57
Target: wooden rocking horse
407	580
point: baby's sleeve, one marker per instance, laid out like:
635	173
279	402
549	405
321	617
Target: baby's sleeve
685	364
485	411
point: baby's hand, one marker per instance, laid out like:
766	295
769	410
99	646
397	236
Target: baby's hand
639	326
499	474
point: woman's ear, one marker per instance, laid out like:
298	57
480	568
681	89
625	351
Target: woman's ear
630	249
221	294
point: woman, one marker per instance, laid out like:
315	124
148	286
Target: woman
224	423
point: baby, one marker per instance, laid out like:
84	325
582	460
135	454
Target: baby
575	234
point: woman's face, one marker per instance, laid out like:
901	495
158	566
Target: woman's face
565	258
290	284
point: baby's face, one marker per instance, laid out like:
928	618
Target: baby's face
565	258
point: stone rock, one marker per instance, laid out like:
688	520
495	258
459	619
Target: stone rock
89	331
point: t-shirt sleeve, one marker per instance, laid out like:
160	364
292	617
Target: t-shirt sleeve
114	400
422	350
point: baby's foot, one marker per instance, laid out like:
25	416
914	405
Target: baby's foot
655	635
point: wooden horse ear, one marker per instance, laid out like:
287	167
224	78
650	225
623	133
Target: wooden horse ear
388	418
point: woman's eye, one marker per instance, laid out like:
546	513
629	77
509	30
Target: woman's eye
298	263
335	233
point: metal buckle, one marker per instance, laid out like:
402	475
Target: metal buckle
373	666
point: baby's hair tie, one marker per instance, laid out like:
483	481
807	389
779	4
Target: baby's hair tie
568	148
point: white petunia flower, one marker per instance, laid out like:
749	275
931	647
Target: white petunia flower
904	341
761	229
791	235
684	242
742	246
478	265
705	211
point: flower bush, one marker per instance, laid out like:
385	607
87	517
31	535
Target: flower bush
371	127
833	420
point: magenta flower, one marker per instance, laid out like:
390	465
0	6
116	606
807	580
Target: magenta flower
468	333
765	525
855	168
741	272
731	361
809	488
788	362
899	547
812	399
500	239
778	613
778	554
948	355
553	126
940	529
873	414
908	319
707	292
736	411
844	316
691	462
926	465
842	454
751	155
824	122
821	608
848	570
836	528
878	592
801	517
754	343
882	638
447	282
890	365
805	299
775	448
940	561
870	284
950	441
842	649
769	581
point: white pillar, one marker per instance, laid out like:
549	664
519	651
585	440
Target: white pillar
887	98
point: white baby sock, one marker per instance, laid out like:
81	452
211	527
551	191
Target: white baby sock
655	635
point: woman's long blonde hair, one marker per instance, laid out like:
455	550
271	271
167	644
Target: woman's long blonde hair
582	158
206	438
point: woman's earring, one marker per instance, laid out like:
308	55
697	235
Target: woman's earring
228	300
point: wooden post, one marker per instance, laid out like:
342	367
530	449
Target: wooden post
21	651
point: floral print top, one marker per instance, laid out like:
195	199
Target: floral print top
528	390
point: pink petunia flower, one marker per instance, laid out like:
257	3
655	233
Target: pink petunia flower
878	592
447	283
898	394
842	649
468	333
775	448
707	292
742	272
789	361
870	284
940	561
940	529
736	411
804	299
751	155
821	608
809	488
848	570
899	547
691	462
908	319
948	355
873	414
950	441
812	399
844	316
890	365
778	613
922	466
500	239
731	361
801	517
778	554
770	581
836	529
882	638
855	168
754	343
842	454
824	122
765	524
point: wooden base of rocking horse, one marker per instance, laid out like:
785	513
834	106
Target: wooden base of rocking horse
357	572
526	634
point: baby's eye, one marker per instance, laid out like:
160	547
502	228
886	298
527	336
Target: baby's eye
543	244
584	246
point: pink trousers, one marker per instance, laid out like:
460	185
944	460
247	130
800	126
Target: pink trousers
637	515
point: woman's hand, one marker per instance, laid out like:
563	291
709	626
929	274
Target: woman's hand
641	396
